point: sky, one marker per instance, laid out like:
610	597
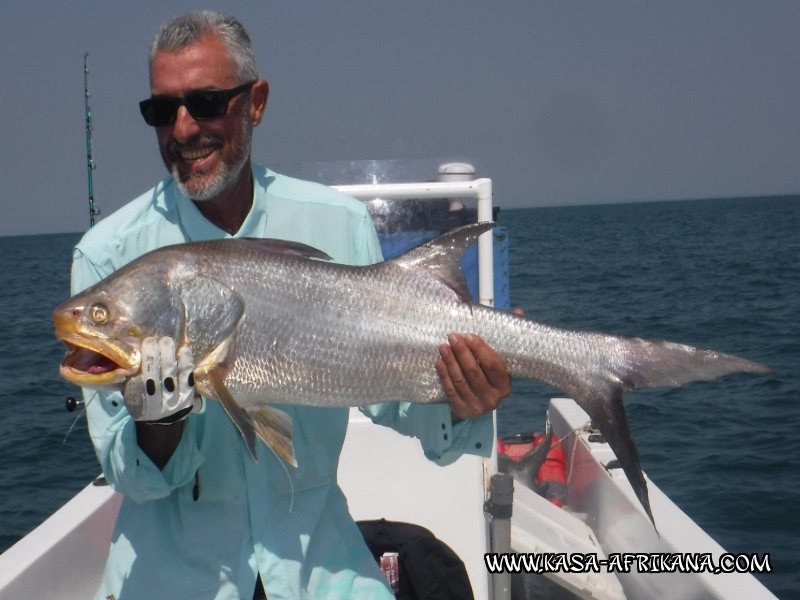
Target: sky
560	102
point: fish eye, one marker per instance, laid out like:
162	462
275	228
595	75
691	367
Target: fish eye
99	313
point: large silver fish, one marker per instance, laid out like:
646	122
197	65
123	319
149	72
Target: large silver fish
268	325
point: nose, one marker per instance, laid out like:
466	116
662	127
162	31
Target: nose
185	127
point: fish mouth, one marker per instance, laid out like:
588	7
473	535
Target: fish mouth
94	361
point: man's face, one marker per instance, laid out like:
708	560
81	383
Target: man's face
206	158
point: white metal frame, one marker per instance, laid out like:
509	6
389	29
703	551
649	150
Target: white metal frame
480	189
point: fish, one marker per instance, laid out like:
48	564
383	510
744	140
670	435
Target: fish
274	322
525	468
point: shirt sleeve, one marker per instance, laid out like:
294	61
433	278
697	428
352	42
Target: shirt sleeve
441	440
113	432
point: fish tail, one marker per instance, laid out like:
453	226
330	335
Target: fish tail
598	378
642	363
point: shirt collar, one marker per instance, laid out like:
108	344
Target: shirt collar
198	228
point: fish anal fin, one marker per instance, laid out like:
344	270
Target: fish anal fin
440	256
274	428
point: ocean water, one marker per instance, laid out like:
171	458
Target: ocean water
723	274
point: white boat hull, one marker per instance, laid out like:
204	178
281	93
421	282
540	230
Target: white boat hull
64	556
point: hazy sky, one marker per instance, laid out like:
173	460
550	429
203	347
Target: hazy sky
560	102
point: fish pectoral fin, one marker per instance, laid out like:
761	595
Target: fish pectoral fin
213	311
240	417
219	360
274	428
270	425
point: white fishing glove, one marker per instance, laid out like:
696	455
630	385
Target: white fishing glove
163	393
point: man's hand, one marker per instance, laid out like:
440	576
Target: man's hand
163	393
473	375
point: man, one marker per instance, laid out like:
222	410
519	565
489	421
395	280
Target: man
200	518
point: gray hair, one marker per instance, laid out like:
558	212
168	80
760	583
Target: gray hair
189	28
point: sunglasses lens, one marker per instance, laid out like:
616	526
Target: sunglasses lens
207	104
158	112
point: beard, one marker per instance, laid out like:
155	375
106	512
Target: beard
207	186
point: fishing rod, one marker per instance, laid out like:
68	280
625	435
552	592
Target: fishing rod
72	402
90	166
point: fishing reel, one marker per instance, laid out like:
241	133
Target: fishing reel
72	403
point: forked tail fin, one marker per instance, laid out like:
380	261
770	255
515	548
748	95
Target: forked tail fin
630	363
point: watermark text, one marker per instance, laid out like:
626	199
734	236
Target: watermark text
626	562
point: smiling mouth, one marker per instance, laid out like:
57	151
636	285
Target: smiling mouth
195	149
195	154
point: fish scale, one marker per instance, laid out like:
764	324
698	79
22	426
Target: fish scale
329	354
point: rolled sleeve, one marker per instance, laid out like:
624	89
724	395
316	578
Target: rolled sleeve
128	469
441	440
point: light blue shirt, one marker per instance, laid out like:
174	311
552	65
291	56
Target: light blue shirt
212	519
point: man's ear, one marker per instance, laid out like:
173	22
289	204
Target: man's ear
258	100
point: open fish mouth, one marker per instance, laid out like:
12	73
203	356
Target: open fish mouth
98	362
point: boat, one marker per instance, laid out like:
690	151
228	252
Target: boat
599	545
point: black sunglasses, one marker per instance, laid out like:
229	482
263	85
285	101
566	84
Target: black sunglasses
202	105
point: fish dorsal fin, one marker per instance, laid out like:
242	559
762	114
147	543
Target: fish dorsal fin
440	257
286	247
